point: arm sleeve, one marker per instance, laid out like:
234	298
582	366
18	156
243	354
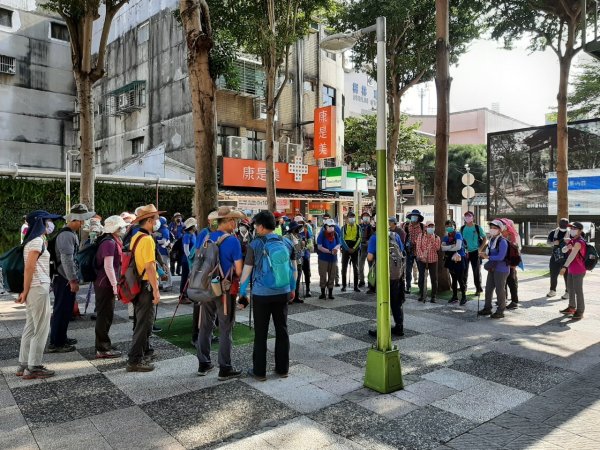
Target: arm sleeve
502	249
109	268
574	252
66	243
551	237
453	248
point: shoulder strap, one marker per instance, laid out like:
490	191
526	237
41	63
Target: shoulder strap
463	228
222	238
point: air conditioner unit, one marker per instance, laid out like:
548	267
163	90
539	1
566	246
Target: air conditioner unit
261	151
293	150
260	110
237	147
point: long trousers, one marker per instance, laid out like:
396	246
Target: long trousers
576	300
512	285
167	262
496	281
410	262
397	299
458	281
555	267
348	257
144	318
475	263
303	268
185	273
432	277
64	300
209	311
175	265
105	310
37	326
265	307
362	258
327	271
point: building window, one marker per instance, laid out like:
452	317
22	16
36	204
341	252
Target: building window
251	78
7	65
309	143
143	32
137	146
309	86
98	155
59	31
253	138
129	98
328	96
330	55
6	18
223	132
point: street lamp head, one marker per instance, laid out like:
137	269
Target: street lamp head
338	43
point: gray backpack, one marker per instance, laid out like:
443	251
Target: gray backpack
397	262
206	267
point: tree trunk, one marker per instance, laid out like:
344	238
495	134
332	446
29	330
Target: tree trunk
442	133
86	134
271	73
562	137
196	23
396	98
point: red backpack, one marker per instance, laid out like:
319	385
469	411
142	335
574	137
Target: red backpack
130	281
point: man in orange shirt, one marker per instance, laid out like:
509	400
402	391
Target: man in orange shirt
145	260
427	247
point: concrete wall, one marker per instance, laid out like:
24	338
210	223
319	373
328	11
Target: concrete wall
37	101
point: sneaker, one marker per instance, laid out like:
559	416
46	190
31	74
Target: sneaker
37	372
20	370
343	289
453	300
565	296
64	349
156	329
551	293
512	305
421	299
484	312
298	300
204	369
361	284
577	316
142	366
307	295
185	301
108	355
322	296
373	333
463	301
398	331
407	291
568	310
497	315
356	289
337	284
282	375
71	341
251	374
431	301
228	374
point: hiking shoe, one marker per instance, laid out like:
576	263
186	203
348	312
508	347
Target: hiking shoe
37	372
21	370
431	301
565	296
373	333
298	300
156	329
251	374
453	300
463	301
497	315
204	369
142	366
361	284
343	289
322	296
307	295
484	312
568	310
356	289
282	375
331	297
228	374
64	349
71	341
512	305
398	331
551	293
108	355
577	316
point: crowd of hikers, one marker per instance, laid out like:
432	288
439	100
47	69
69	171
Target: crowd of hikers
233	258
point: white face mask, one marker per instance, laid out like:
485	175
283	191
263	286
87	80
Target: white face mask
156	226
430	230
122	231
50	227
351	220
563	229
494	232
574	232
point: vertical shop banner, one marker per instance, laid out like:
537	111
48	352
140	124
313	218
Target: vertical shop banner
325	133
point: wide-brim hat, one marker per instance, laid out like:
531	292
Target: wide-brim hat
79	212
330	223
226	212
189	223
113	224
293	226
144	212
429	222
177	215
415	212
37	227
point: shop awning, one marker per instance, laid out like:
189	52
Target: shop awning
479	200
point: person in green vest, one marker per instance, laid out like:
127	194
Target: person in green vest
351	239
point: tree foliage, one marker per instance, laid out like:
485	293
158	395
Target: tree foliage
584	100
458	156
359	143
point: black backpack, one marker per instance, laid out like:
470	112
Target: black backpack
86	259
479	236
513	255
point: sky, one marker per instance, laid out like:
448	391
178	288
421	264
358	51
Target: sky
524	84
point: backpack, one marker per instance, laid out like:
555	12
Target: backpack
513	255
54	261
13	268
130	281
406	230
86	260
274	265
206	267
479	236
397	264
591	256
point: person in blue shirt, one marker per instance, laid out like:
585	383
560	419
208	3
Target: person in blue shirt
163	242
455	261
307	236
338	231
268	301
329	244
176	227
189	244
397	294
230	255
497	268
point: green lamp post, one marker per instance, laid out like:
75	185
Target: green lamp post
383	373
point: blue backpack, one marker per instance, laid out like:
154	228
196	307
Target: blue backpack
274	263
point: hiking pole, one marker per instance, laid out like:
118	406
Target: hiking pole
88	298
178	303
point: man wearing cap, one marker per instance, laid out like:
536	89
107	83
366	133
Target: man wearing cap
144	249
558	238
475	239
414	229
230	257
366	231
176	228
36	295
189	244
108	262
66	282
351	239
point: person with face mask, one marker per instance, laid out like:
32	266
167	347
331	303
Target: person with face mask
329	245
427	246
498	270
455	261
558	239
36	295
350	238
474	238
189	243
338	231
163	243
413	230
366	231
307	244
176	227
574	268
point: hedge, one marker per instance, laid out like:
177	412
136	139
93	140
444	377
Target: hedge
20	196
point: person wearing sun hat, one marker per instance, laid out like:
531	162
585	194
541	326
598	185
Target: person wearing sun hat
66	282
498	270
36	295
308	245
189	244
426	250
576	270
108	261
413	230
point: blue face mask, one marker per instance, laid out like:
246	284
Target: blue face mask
430	230
450	229
413	219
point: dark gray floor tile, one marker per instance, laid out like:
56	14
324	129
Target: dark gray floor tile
33	393
298	308
293	326
368	311
82	386
92	405
357	330
9	348
45	413
348	419
357	358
